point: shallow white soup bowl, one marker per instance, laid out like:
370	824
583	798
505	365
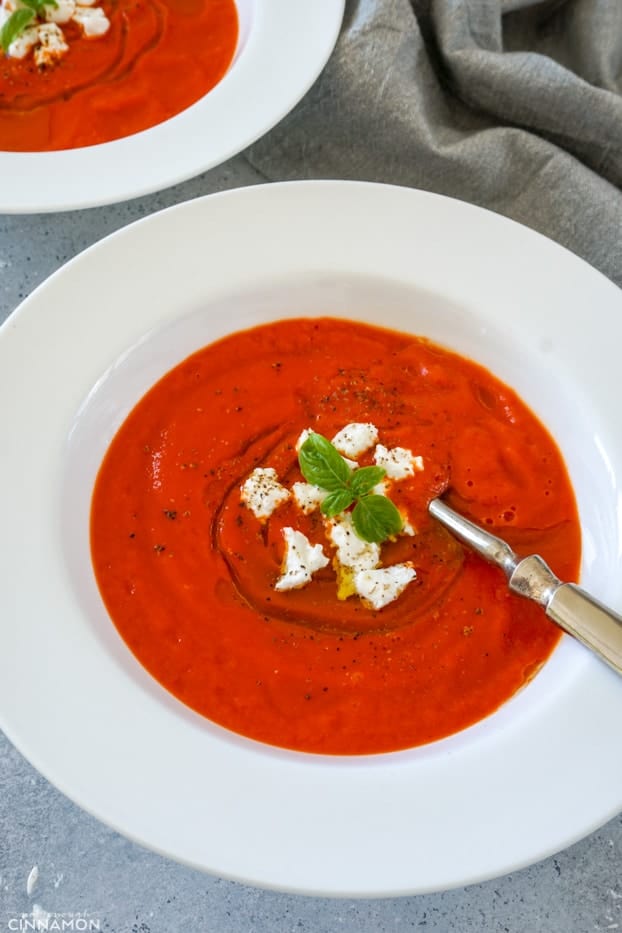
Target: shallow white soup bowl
79	353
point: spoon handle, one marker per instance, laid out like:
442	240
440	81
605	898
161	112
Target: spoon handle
582	616
574	610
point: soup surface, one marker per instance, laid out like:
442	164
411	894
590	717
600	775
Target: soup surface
157	58
188	572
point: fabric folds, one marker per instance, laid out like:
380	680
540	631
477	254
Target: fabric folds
514	105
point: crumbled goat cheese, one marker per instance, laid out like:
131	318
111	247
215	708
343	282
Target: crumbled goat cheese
262	493
308	497
380	587
301	560
407	528
398	462
61	13
355	438
356	562
51	45
46	39
93	21
21	46
352	551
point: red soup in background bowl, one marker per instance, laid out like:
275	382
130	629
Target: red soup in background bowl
149	60
113	99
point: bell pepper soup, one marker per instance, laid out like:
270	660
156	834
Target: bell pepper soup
81	74
261	539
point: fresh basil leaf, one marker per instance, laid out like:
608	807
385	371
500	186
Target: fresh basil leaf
365	478
14	26
375	519
335	502
38	6
322	464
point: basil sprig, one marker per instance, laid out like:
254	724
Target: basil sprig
375	518
20	19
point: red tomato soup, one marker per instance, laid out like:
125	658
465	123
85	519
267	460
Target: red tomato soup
188	572
156	59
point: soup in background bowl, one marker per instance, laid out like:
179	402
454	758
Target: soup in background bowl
168	89
136	64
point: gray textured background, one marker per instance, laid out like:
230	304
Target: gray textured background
432	101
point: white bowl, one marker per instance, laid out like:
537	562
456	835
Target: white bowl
525	782
282	48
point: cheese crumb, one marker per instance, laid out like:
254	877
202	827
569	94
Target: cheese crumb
308	497
51	45
27	40
398	462
93	21
381	587
407	528
355	438
352	551
301	560
262	493
61	13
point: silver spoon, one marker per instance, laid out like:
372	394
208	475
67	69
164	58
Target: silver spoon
574	610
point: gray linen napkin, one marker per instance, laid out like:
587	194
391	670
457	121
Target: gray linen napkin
515	105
